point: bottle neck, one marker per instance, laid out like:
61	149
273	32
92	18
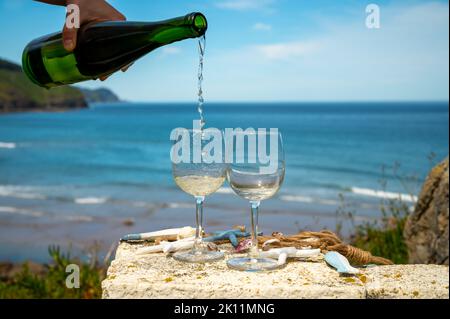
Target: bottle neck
193	25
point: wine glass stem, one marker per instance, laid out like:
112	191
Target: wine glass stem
254	252
199	220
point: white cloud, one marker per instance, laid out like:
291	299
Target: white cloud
285	51
242	5
262	27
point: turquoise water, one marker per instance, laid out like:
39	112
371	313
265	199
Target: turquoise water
75	177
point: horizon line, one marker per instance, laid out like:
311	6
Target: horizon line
284	102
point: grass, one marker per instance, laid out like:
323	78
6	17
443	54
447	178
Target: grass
383	237
52	284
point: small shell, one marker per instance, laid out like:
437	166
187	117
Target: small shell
282	258
267	243
244	245
165	234
277	234
212	247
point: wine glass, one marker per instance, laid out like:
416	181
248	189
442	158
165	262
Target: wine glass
198	175
253	178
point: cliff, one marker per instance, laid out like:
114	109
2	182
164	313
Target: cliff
101	95
19	94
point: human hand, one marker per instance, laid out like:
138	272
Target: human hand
90	11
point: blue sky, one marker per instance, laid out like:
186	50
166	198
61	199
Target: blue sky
273	50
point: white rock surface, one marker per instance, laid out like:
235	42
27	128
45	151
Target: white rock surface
158	276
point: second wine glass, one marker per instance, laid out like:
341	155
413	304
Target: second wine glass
255	177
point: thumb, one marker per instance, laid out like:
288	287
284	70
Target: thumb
70	38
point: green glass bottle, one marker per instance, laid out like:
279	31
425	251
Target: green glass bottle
103	48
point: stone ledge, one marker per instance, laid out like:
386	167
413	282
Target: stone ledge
157	276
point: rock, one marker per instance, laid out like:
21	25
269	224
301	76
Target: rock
426	230
128	222
407	282
101	95
159	276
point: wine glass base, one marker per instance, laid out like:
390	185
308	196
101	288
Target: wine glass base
254	264
199	257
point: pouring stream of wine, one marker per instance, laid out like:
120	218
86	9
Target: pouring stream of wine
201	100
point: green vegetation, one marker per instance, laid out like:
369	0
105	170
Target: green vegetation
18	93
52	284
383	237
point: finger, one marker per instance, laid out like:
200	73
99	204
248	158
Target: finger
105	77
116	15
125	68
120	16
69	38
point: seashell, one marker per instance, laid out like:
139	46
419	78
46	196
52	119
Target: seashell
166	234
289	252
168	247
212	247
244	246
178	246
267	243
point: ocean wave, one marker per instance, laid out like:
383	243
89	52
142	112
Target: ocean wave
383	194
294	198
22	192
225	190
38	214
309	200
142	204
355	190
8	145
180	205
91	200
378	173
20	211
337	169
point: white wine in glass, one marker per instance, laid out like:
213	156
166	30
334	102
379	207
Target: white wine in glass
199	185
251	180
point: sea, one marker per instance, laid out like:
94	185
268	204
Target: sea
82	179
